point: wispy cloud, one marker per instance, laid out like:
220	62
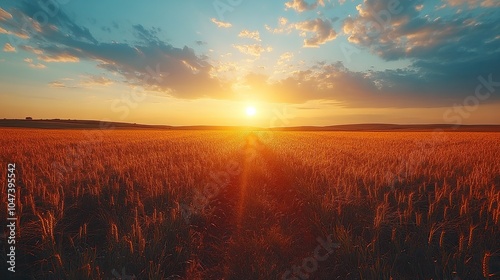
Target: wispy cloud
474	3
53	54
21	34
221	24
282	27
57	84
8	48
34	65
95	80
84	81
250	34
31	49
284	58
316	31
60	57
4	15
254	50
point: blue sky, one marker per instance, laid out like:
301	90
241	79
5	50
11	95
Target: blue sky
203	62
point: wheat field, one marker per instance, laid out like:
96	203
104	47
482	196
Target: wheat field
167	204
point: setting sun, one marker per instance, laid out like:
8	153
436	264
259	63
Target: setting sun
251	111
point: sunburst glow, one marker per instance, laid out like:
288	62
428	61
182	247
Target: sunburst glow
251	111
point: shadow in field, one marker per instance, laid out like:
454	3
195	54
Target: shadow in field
258	220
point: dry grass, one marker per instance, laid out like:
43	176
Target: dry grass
408	205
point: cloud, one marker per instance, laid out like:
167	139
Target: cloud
283	65
146	35
445	55
282	26
8	48
302	6
53	25
149	63
325	82
221	24
255	49
401	88
85	81
250	34
53	54
60	57
407	33
31	49
34	65
284	58
95	80
322	32
4	15
57	84
18	34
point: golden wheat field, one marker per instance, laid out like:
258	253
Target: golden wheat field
167	204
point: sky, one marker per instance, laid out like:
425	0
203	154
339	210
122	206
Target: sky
297	62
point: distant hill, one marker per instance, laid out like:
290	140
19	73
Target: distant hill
75	124
397	127
93	124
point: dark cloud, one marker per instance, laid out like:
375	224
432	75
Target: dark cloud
57	18
146	35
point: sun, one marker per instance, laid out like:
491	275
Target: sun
251	111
